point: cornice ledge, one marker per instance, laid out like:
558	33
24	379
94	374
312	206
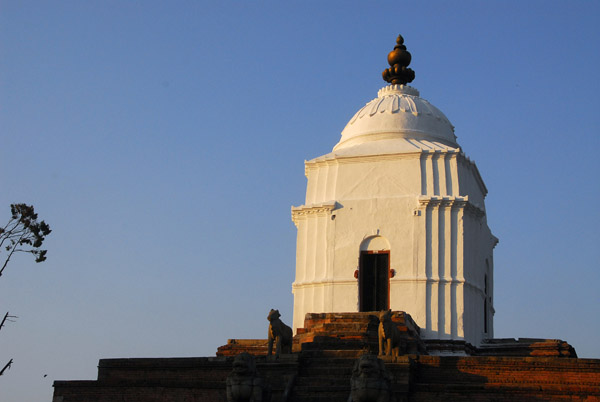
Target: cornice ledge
451	202
451	151
333	159
323	282
495	241
303	211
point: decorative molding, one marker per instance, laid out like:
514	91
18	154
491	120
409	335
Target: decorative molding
436	201
320	209
457	151
392	100
323	282
437	280
352	282
334	160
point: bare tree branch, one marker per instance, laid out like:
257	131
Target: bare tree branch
7	317
7	366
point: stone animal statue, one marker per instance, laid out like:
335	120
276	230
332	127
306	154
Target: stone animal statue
279	333
370	381
243	383
390	337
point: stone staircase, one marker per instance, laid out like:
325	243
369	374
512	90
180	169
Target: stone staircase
353	331
329	345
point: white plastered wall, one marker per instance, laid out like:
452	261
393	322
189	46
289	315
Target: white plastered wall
428	206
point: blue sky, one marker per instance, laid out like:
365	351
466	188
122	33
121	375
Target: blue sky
164	143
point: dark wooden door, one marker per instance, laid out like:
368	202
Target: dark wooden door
373	281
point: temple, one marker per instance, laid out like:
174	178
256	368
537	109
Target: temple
394	218
393	294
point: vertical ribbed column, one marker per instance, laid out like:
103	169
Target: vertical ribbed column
423	165
321	181
454	173
433	175
330	188
320	261
440	165
311	234
330	257
434	278
447	268
491	295
440	270
429	177
311	185
449	178
428	267
453	263
301	224
460	258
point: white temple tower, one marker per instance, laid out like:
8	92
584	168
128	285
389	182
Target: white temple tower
394	217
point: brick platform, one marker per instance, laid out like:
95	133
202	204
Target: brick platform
324	352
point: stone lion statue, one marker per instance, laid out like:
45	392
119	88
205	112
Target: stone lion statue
279	333
243	383
390	338
370	381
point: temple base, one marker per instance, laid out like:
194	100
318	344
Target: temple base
324	353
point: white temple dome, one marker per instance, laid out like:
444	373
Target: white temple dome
397	113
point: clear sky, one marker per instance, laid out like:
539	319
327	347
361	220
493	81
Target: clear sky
164	143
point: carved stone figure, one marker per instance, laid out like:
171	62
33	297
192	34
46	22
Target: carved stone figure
390	338
279	333
244	384
370	381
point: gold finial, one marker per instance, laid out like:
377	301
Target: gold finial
399	59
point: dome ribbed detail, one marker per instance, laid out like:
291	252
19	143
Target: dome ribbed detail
397	112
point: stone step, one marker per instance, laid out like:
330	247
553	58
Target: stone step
320	370
315	336
321	393
323	342
333	330
371	323
327	359
333	353
522	387
334	326
320	397
335	337
367	317
323	372
323	381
